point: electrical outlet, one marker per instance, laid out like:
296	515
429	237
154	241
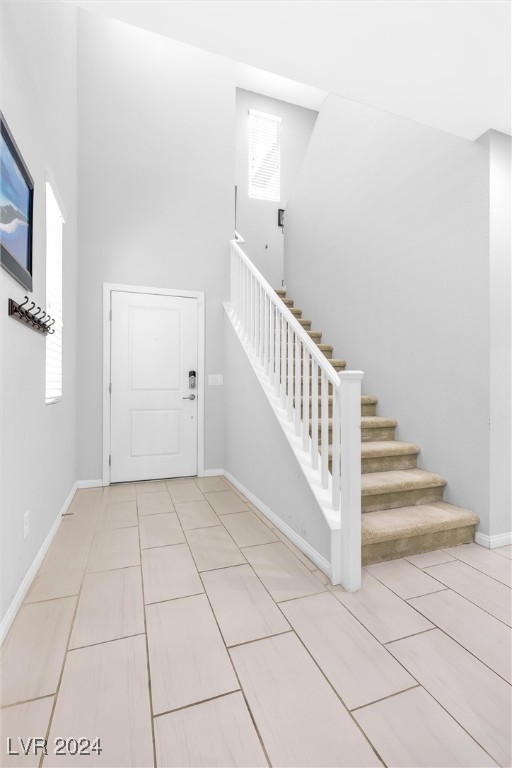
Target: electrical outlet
215	379
26	524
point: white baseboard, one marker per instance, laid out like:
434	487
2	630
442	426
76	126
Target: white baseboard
30	575
491	542
99	483
320	561
90	484
67	503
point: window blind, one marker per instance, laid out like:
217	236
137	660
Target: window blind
264	156
54	222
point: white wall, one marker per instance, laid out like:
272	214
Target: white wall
500	207
38	442
257	219
259	455
386	249
156	175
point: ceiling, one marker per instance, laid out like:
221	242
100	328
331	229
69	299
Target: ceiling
444	63
259	81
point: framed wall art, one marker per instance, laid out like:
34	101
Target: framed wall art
16	210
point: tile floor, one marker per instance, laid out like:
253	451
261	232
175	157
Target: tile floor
173	623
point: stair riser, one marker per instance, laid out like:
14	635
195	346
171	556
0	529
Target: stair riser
396	499
419	489
412	545
380	433
388	463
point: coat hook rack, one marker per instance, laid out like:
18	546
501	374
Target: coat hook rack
39	320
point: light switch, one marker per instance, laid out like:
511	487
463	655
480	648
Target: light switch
215	379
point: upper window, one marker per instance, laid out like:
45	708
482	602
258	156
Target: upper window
54	222
264	156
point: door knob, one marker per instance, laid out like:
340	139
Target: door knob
190	397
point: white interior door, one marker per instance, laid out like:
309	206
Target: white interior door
153	406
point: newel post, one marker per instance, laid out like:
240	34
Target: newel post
350	481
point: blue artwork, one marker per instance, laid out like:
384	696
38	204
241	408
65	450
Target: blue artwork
16	190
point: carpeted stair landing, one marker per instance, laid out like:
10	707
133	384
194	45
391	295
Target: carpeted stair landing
402	505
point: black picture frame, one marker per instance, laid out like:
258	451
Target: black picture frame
16	210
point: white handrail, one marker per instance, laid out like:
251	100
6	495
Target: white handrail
313	350
321	406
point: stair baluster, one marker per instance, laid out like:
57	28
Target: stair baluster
305	400
302	378
283	359
299	351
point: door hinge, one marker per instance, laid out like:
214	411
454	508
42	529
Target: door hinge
110	388
110	460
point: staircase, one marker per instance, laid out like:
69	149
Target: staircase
403	511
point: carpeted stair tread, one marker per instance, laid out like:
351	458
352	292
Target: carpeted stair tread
387	455
417	520
396	481
380	429
377	422
377	428
402	508
337	362
364	400
378	448
330	398
327	348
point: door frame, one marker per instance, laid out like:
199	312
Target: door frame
108	289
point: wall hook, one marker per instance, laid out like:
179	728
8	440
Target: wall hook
39	321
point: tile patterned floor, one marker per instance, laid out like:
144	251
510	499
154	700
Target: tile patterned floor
173	622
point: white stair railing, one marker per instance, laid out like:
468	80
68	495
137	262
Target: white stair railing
308	387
